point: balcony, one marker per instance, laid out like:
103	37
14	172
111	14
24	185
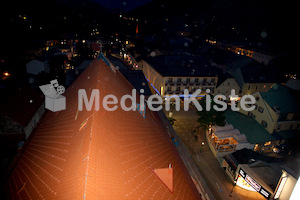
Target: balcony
189	83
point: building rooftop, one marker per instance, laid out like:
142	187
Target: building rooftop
255	72
254	132
287	134
84	64
137	80
135	77
223	76
22	105
283	98
248	156
100	154
182	66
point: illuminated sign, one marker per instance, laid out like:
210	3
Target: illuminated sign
242	173
264	193
254	184
280	187
251	182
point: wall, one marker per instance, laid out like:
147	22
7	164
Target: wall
250	88
226	87
288	187
268	114
161	83
153	76
192	86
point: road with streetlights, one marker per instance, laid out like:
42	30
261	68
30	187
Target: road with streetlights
210	169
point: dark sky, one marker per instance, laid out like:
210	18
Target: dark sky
126	5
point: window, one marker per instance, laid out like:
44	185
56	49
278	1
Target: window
278	127
169	89
177	88
196	80
257	98
291	126
249	87
170	80
212	80
267	143
250	114
187	87
228	83
260	109
178	80
204	80
264	124
188	80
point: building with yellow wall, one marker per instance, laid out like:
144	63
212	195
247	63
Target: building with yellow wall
277	111
170	75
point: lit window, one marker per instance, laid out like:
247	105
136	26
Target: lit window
267	143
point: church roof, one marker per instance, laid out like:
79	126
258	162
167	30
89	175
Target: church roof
100	154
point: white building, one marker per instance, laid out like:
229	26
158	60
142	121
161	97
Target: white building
171	75
225	85
223	140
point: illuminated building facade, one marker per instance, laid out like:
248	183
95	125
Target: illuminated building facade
170	75
277	111
261	174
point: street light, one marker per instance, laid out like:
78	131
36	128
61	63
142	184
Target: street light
234	184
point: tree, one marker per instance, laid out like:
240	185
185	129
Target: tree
211	117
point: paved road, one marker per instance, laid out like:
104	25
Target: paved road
188	161
212	174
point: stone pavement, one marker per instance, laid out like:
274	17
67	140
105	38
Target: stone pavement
214	176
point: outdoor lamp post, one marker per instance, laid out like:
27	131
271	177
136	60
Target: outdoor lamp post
234	184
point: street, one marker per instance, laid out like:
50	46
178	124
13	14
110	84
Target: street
213	174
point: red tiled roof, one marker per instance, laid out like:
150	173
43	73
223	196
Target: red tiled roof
99	154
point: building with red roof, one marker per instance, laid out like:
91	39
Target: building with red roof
100	154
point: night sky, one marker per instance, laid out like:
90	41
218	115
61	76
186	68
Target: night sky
125	5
